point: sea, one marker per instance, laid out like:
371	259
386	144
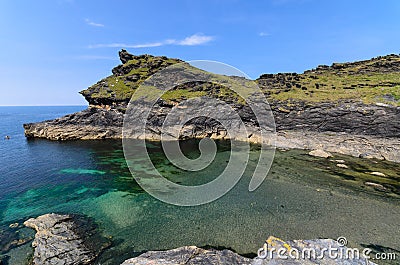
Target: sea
302	197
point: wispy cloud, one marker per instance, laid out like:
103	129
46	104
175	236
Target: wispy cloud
263	34
95	57
93	24
196	39
123	45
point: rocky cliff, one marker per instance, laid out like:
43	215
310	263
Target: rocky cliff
353	100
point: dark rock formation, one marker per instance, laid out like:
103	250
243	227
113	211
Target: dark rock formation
117	89
341	117
65	240
382	64
125	56
344	117
92	123
348	128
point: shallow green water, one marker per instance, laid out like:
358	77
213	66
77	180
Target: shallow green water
302	198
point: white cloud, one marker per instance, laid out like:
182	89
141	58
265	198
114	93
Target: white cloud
196	39
263	34
91	23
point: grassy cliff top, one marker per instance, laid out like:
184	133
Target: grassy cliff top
370	81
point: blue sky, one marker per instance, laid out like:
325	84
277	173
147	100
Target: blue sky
50	50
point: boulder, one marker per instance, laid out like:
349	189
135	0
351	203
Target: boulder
125	56
64	240
379	174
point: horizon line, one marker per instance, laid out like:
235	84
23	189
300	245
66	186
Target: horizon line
73	105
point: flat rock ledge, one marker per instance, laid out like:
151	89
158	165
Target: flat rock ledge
188	255
64	240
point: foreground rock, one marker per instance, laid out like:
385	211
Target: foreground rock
65	239
71	240
191	255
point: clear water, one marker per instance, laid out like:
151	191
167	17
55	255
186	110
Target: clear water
302	198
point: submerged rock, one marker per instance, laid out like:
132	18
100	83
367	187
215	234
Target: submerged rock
342	165
379	174
376	186
65	239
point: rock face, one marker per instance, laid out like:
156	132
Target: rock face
192	255
330	128
64	240
92	123
344	117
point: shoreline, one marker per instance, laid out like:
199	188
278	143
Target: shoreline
363	146
350	128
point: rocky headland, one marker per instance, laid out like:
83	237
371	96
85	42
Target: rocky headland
348	108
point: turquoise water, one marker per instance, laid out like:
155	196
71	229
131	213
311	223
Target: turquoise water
302	198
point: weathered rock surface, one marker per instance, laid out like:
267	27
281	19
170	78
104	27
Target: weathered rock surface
189	255
344	117
92	123
64	240
372	134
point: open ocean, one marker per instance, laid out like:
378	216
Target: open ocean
302	198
